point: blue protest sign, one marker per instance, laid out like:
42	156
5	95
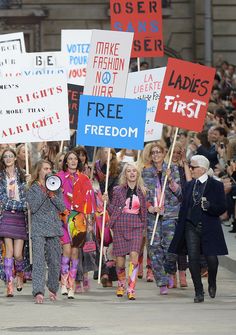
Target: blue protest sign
111	122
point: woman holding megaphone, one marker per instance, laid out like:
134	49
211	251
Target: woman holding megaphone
45	205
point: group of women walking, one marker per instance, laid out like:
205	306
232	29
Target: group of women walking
66	222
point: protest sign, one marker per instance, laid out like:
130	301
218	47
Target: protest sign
35	64
108	63
147	85
74	92
75	44
144	18
185	94
11	45
110	122
34	110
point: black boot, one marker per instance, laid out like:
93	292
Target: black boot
199	297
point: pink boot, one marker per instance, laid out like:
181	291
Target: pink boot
19	266
72	276
8	269
133	272
65	261
121	281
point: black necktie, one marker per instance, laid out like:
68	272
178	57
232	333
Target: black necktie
197	194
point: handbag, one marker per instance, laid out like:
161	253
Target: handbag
89	245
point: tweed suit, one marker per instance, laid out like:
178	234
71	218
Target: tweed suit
127	228
46	233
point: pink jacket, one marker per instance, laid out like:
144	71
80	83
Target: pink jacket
68	182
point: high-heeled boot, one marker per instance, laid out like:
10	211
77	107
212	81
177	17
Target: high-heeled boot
133	272
140	266
8	269
149	275
121	281
182	279
19	267
71	279
65	264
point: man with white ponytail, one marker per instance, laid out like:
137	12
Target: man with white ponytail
199	228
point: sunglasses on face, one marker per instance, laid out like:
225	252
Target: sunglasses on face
193	167
8	156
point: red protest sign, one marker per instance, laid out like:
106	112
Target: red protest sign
144	18
185	95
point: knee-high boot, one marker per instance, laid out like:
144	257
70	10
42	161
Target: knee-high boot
8	269
65	264
121	281
72	276
133	272
19	267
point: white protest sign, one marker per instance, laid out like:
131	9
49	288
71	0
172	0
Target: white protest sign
11	45
35	64
34	110
108	63
75	45
147	85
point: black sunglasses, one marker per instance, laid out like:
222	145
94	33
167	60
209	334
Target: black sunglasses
193	167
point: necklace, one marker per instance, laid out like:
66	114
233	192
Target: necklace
197	194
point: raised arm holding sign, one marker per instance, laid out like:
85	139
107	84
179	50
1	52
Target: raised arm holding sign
183	101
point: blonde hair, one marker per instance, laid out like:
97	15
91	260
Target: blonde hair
18	149
179	146
57	159
146	156
139	182
123	153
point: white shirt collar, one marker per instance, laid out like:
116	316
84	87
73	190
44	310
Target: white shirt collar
203	178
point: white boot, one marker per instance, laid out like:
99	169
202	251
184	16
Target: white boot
64	283
71	288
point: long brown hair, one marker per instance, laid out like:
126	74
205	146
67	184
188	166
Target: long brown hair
82	150
114	164
64	165
20	172
36	169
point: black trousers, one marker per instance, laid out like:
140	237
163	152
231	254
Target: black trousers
193	236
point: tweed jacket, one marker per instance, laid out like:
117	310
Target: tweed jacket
45	212
173	193
117	204
9	204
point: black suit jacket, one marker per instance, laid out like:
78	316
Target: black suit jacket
213	242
